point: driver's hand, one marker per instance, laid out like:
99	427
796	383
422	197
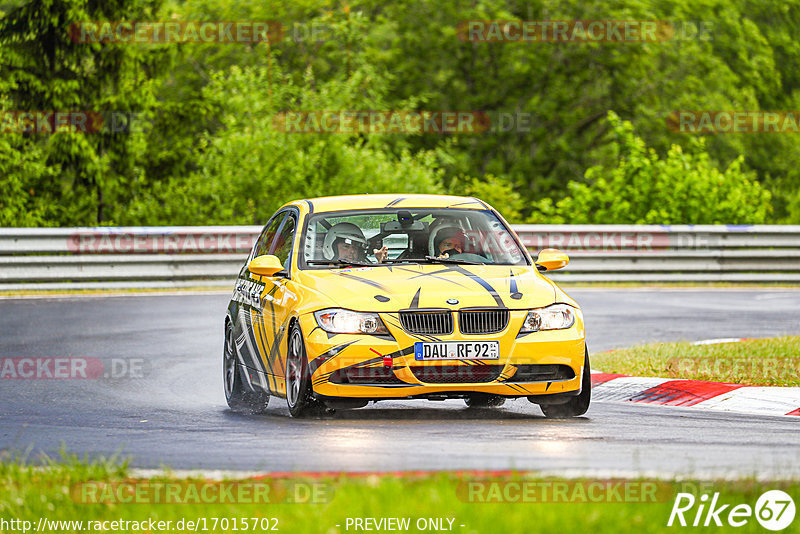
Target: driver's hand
381	253
443	256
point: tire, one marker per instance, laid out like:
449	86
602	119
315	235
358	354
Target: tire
576	405
484	400
299	395
239	398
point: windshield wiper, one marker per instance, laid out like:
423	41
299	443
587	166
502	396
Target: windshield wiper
340	262
401	260
434	259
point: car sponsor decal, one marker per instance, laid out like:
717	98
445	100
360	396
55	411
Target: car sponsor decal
398	200
516	295
364	280
465	204
432	275
507	373
245	339
373	362
415	300
275	353
276	336
329	334
260	331
322	358
239	342
461	270
486	285
518	387
258	335
248	292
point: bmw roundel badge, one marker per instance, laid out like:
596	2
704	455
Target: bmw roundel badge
452	301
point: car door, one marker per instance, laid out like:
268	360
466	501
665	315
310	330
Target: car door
248	293
276	303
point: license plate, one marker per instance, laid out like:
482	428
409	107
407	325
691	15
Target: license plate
457	350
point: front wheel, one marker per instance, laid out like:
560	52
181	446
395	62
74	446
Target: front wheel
576	405
239	398
298	377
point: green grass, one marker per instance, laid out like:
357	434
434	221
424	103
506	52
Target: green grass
29	492
757	362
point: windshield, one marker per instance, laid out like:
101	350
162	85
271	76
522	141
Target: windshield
422	235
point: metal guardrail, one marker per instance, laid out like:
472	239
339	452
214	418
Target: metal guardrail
45	258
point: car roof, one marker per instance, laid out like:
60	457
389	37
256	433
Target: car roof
355	202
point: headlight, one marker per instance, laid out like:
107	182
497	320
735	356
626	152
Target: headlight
338	321
555	317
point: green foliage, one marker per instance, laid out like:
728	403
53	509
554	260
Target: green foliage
21	166
209	152
494	191
250	167
644	188
42	69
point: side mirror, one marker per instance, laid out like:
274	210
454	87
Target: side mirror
266	265
551	259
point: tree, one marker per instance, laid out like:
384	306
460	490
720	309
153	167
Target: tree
252	165
43	70
746	57
643	188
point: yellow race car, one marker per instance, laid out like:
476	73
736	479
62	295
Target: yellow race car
350	299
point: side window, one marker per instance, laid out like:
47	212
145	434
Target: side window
265	240
282	247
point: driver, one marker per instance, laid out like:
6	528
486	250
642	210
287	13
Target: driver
450	241
345	241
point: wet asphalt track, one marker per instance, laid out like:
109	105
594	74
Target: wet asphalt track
177	414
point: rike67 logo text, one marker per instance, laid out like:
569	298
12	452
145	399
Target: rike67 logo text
774	510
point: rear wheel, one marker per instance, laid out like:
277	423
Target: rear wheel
484	400
575	406
239	398
298	377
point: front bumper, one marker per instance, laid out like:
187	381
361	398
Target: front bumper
383	367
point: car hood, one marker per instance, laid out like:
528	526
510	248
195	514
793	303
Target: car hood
399	287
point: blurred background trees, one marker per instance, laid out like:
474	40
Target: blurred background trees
596	147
